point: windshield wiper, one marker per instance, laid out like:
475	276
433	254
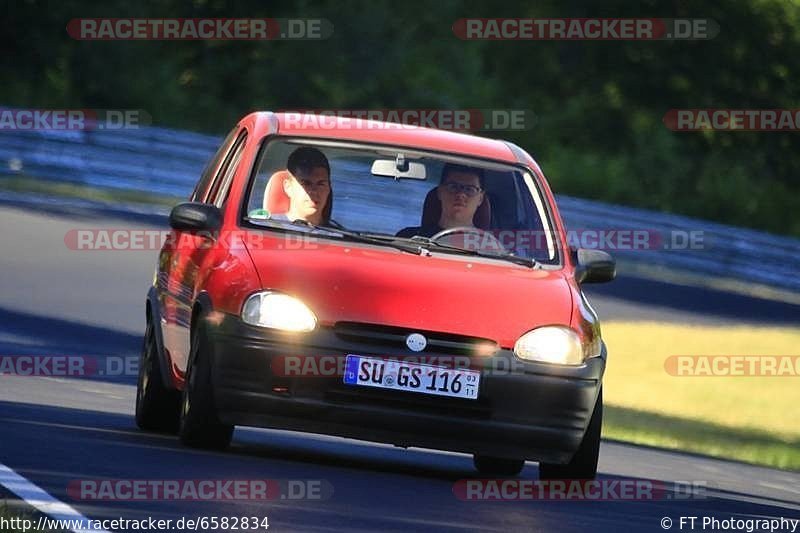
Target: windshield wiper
422	244
363	237
507	256
428	242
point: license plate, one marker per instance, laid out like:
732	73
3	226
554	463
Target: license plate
400	375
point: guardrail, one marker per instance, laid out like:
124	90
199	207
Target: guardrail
168	162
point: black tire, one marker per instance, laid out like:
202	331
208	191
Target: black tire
157	407
497	466
584	464
200	426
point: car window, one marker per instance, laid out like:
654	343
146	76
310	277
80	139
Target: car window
364	202
200	192
219	191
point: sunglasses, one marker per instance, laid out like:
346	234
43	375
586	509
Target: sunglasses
455	188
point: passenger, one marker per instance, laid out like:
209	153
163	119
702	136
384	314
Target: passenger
308	187
460	192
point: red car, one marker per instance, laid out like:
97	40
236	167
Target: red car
382	282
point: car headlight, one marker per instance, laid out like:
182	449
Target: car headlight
551	344
279	311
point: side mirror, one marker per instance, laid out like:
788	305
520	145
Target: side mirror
195	216
594	266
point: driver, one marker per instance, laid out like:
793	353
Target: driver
460	192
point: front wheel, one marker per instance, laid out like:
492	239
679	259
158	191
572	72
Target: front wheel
200	426
157	406
584	464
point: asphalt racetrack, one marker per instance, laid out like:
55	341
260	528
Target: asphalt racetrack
54	431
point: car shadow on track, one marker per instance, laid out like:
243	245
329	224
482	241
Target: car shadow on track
371	484
31	334
284	453
699	301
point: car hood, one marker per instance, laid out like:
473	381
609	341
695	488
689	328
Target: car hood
444	292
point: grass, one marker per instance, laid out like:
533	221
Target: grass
751	419
7	514
70	190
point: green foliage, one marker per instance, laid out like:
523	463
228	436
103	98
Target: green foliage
599	105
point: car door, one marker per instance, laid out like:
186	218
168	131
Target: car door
183	256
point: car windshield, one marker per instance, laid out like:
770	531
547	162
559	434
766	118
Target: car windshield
397	197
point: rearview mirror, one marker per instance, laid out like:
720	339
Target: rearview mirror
195	216
398	170
594	266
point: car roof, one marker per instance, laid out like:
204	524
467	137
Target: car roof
376	132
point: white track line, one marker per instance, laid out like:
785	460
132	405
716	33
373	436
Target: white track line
42	501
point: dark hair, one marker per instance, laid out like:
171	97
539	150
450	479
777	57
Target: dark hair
305	159
454	167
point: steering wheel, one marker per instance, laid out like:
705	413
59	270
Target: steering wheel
484	240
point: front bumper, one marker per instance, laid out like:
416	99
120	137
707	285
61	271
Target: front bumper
524	410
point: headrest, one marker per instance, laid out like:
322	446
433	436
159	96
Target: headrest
432	211
276	202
